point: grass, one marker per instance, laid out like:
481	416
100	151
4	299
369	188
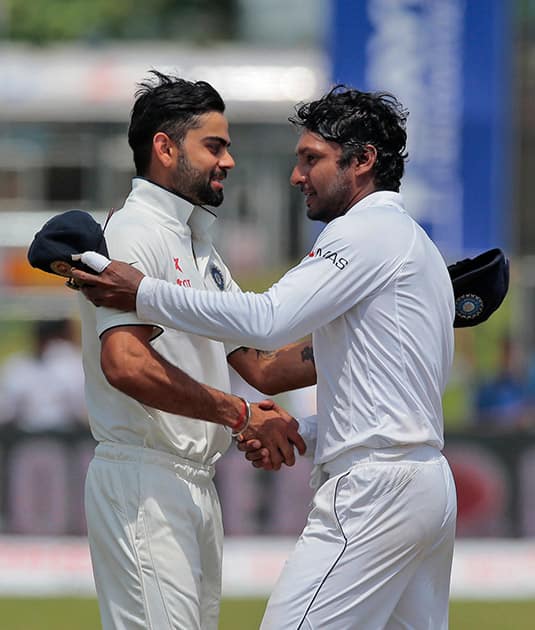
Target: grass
492	615
82	614
49	614
244	614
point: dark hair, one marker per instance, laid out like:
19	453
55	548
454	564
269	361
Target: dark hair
354	119
169	104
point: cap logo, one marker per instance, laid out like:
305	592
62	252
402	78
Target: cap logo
217	275
468	306
61	268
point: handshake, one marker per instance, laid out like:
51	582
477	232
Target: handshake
269	436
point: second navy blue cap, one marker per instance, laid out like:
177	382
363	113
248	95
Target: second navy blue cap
480	285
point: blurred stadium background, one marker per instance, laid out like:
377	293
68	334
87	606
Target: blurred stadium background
68	70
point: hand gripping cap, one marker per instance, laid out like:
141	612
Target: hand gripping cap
479	284
71	232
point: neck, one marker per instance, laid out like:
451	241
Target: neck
359	195
167	188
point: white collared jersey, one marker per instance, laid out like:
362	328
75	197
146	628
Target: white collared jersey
376	294
164	236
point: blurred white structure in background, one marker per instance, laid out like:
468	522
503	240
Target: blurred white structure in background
64	83
64	113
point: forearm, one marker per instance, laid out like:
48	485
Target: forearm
139	372
248	319
273	372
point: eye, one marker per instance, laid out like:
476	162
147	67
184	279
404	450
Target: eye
214	147
310	159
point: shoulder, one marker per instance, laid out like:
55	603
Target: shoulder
380	216
132	227
375	240
377	229
134	240
132	220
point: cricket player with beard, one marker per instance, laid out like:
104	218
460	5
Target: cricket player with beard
376	295
158	399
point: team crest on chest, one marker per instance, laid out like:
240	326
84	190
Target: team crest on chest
217	275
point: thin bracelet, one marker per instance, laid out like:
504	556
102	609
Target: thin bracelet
246	421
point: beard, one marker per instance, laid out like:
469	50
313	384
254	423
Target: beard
333	201
195	186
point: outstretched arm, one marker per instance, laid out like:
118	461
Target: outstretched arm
309	296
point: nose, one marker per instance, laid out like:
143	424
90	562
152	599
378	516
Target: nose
297	178
227	161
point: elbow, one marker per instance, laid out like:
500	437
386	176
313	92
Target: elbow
266	381
274	338
256	373
268	328
265	388
119	374
269	388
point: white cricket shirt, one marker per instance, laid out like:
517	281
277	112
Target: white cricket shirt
165	237
376	294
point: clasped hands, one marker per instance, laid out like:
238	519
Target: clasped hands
271	437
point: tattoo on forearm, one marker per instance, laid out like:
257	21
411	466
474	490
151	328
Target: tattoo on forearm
307	354
265	354
260	354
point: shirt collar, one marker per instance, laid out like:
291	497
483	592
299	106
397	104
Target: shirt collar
200	220
379	198
174	211
169	207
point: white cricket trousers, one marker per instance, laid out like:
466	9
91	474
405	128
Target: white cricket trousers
156	537
377	548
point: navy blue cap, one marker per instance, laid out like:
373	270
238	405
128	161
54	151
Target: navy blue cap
480	285
71	232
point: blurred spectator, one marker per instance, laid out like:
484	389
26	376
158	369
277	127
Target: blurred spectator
44	390
291	492
503	401
458	399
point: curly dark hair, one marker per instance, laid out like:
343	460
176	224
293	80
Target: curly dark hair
354	119
169	104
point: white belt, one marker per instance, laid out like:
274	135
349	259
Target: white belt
391	454
348	459
187	468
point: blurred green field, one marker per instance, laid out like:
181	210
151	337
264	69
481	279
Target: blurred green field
243	614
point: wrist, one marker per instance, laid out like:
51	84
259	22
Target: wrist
244	419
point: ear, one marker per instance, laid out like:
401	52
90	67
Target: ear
368	160
164	150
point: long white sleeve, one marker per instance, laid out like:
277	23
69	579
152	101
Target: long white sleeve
308	428
328	282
